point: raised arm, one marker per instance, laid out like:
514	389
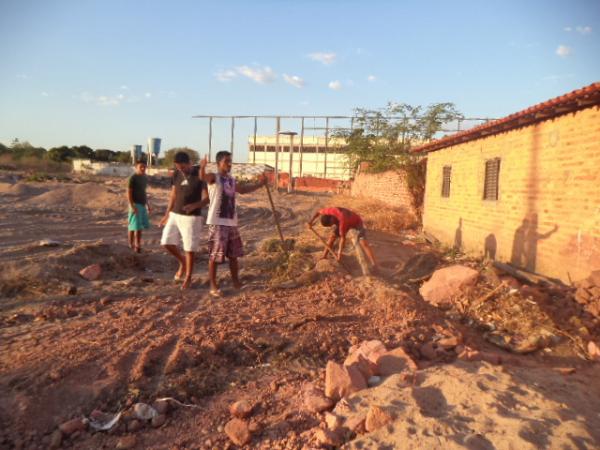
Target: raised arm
311	222
208	178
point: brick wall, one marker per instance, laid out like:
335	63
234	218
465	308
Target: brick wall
547	216
388	187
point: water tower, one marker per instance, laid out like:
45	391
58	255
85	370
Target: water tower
153	149
136	153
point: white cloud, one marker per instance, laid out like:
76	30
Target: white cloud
326	58
23	76
44	94
101	100
261	75
335	85
294	80
568	29
304	103
563	51
124	87
148	94
583	30
371	78
225	75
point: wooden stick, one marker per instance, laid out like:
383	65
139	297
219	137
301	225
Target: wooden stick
329	249
275	218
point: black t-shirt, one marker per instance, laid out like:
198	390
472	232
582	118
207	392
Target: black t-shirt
188	189
137	184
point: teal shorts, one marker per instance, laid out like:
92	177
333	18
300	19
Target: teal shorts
139	221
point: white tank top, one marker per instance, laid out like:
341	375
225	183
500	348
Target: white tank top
222	209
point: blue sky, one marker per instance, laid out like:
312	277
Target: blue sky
112	73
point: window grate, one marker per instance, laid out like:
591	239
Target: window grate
492	176
447	171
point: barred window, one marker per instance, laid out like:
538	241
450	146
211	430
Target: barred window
446	181
492	176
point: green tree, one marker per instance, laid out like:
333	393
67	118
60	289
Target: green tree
83	152
3	149
383	138
26	150
167	161
123	157
61	154
104	155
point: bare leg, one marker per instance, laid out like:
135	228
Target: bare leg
189	268
330	243
234	269
212	274
367	248
130	237
138	240
173	250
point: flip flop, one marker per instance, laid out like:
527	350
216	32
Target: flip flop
216	293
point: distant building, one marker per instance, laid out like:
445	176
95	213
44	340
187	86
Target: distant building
317	157
524	189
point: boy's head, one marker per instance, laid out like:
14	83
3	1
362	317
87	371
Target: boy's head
182	161
327	220
140	167
224	161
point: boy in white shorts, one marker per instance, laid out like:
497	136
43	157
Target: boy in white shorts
182	220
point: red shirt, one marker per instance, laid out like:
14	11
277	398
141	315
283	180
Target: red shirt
346	218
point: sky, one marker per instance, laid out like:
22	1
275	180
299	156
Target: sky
109	74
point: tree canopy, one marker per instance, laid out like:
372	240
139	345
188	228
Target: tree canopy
167	161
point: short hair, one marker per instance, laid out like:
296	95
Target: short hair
182	158
222	155
328	220
140	161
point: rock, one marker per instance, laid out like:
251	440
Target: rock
595	291
241	409
333	421
49	243
468	354
356	423
582	296
144	411
56	439
565	370
374	380
91	273
134	425
377	417
447	283
594	278
364	357
105	300
161	406
159	421
449	343
366	367
593	351
428	351
341	381
237	430
395	361
126	442
73	425
314	399
328	438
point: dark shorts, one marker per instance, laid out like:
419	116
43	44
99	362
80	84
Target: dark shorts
224	242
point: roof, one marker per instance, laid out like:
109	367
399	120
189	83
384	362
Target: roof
573	101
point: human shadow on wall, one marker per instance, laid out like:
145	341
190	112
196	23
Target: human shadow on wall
490	246
525	243
458	236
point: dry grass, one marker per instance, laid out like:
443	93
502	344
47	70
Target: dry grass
35	164
377	215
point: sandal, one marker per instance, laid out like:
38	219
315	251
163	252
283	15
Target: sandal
216	293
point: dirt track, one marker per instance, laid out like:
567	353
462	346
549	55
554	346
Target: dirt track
133	336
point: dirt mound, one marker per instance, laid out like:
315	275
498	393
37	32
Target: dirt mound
468	405
87	195
21	189
63	267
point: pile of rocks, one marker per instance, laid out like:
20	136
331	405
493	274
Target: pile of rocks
366	365
588	293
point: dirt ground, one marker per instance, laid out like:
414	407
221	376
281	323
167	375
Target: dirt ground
71	346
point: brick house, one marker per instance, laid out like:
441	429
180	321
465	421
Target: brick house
524	189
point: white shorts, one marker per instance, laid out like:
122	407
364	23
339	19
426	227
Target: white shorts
183	229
